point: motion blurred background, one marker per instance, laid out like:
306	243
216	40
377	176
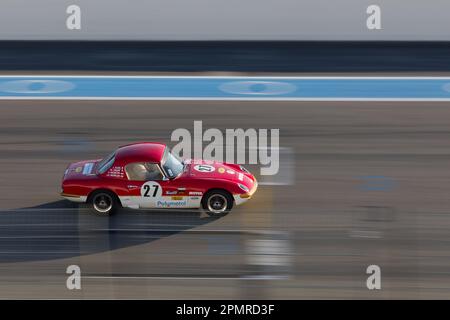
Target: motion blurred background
360	184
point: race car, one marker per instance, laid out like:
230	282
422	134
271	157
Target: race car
148	175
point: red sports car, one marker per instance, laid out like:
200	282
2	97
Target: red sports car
147	175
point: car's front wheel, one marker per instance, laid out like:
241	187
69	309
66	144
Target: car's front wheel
217	202
103	203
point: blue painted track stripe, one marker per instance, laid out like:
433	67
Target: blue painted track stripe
225	88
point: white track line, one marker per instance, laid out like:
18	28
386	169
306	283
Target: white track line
262	277
234	77
223	99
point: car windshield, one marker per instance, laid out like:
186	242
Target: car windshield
106	163
172	165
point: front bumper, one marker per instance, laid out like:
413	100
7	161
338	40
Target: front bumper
244	197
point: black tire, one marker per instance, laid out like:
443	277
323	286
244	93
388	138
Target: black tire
103	202
217	203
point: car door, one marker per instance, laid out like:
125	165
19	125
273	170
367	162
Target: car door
146	185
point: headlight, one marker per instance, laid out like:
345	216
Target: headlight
243	169
243	187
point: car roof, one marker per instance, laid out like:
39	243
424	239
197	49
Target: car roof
140	152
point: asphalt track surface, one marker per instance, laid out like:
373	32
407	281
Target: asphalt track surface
370	186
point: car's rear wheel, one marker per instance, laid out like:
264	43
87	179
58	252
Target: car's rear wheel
104	203
217	202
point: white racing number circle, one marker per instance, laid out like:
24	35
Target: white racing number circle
151	190
204	168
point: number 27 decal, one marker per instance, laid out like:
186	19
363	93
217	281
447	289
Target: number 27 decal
147	190
151	189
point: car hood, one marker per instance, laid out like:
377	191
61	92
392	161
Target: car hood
204	169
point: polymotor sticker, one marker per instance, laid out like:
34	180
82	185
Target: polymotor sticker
171	203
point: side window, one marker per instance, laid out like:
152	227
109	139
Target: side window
143	171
